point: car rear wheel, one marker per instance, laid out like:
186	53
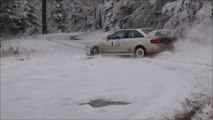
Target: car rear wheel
140	52
95	51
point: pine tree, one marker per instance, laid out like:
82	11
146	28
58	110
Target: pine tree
5	12
59	16
32	19
12	17
17	17
82	16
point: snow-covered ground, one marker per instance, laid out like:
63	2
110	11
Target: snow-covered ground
52	76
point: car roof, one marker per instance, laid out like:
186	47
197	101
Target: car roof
138	29
163	30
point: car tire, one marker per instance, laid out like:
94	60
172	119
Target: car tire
140	52
95	51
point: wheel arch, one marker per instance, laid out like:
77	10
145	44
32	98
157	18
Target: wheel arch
95	46
140	46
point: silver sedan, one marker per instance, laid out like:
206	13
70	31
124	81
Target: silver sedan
138	42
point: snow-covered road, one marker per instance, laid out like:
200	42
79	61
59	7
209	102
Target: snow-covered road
52	76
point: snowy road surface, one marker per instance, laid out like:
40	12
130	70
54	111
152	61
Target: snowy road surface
52	76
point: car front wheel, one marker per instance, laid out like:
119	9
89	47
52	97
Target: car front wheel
95	51
140	52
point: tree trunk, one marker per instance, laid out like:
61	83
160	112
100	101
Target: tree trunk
44	16
100	20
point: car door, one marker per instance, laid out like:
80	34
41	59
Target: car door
132	37
113	43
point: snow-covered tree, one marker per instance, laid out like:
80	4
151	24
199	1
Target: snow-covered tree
136	14
115	13
32	18
205	12
184	13
12	20
72	15
18	17
58	16
5	12
82	16
133	14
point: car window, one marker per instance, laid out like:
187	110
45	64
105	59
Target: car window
164	33
118	35
161	33
147	31
134	34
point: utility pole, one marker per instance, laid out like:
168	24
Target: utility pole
44	16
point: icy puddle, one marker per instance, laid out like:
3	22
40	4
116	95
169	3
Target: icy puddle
102	103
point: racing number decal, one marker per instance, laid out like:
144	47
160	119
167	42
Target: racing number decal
117	43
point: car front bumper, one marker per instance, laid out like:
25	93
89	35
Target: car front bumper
88	50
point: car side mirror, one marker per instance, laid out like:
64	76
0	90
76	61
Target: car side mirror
105	38
108	38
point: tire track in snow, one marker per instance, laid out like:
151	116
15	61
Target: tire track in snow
192	74
180	65
76	45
